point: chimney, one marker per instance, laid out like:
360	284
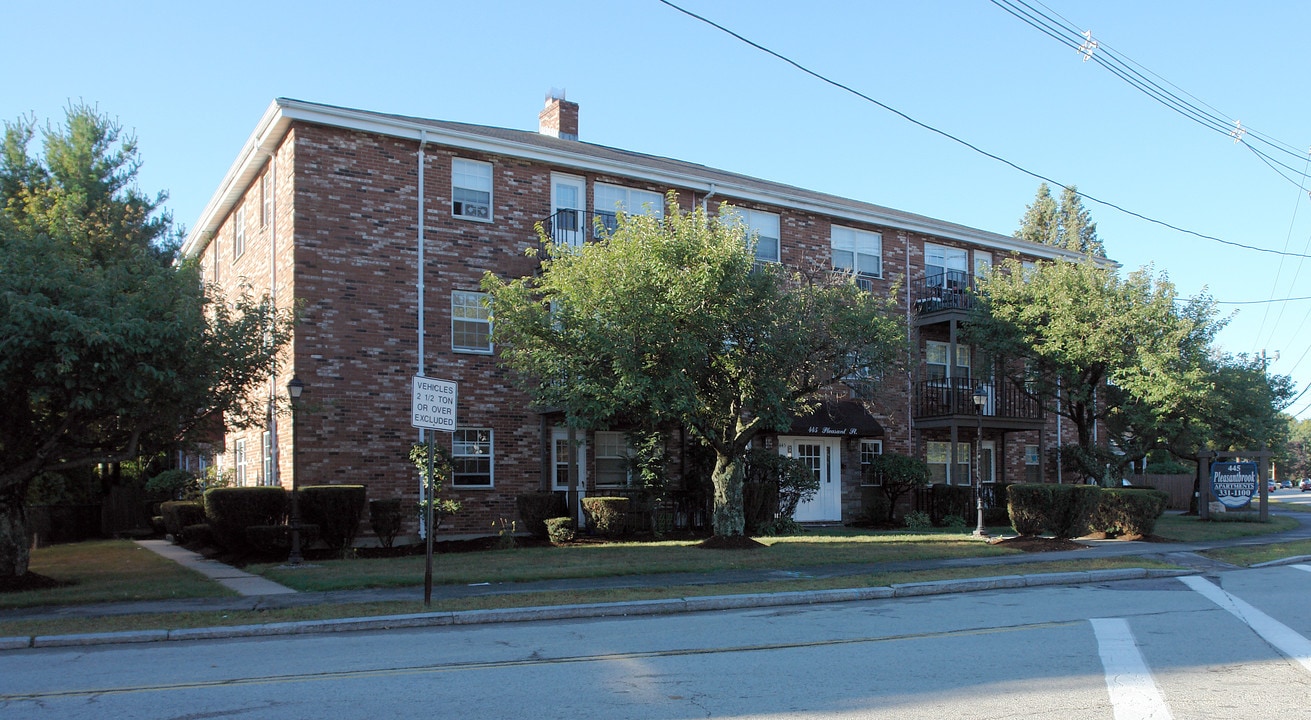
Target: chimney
559	118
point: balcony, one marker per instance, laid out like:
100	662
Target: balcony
575	227
944	402
952	292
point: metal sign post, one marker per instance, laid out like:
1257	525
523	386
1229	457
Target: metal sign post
432	407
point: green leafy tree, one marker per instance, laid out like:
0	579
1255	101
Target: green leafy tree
669	320
896	475
1088	344
1066	224
108	348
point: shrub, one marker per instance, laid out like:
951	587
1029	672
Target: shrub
275	540
1129	511
1027	505
782	526
198	535
337	510
231	510
772	487
178	514
560	529
952	500
1070	509
877	510
174	485
918	520
955	522
535	508
607	514
385	519
895	475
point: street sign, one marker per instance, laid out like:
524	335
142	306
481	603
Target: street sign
432	404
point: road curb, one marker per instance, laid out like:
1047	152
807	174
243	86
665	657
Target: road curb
591	610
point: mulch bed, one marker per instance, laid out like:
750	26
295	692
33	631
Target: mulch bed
1033	544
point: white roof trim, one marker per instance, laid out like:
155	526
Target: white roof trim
282	112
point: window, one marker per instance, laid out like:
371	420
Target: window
471	189
613	458
764	226
239	231
471	458
1032	464
613	198
265	200
869	449
940	468
240	462
935	360
857	251
267	478
471	322
944	266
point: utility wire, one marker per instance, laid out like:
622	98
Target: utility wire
975	148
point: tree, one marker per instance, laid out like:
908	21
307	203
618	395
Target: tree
1066	225
108	348
669	320
897	475
1089	344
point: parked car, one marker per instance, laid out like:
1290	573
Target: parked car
1286	484
1305	484
1271	486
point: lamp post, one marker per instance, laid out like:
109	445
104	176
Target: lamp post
980	398
294	388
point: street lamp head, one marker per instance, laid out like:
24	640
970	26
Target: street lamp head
980	396
295	387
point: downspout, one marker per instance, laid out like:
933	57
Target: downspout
911	353
705	208
1059	440
274	451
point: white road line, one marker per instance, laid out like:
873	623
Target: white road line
1134	695
1284	638
1303	568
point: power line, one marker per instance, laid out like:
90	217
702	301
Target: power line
975	148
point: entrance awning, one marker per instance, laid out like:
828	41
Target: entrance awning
845	418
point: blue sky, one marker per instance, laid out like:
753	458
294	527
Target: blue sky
192	79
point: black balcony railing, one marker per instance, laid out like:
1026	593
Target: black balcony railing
950	290
575	227
948	397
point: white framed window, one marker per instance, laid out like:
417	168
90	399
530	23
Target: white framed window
613	459
935	360
239	461
982	264
869	449
611	199
471	189
857	251
267	477
1032	464
471	322
239	232
265	200
940	467
945	267
765	227
471	457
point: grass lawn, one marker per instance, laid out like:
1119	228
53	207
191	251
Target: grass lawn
109	571
174	621
583	560
1190	528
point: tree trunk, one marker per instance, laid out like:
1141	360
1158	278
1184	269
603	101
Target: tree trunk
728	518
14	553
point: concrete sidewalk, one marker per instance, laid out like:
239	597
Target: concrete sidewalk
260	594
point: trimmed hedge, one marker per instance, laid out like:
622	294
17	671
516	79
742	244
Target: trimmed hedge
607	513
1027	506
275	540
560	529
1129	511
231	510
178	514
386	520
1065	511
536	508
337	510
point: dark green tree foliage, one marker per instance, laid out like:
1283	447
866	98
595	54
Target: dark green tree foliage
668	320
108	348
896	475
1066	224
336	510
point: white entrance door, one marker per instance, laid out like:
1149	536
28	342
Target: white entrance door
561	474
824	458
568	203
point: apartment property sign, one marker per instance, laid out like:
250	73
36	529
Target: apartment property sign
1233	483
432	404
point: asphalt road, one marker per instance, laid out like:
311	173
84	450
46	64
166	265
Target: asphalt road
1229	645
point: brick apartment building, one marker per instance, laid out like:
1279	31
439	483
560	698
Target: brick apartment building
326	209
